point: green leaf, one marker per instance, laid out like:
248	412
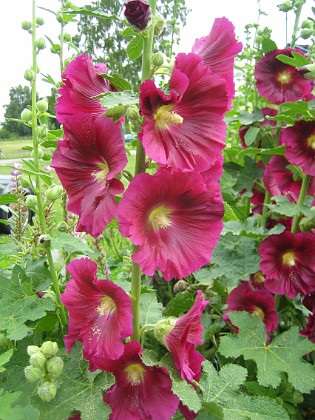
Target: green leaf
287	208
298	60
229	213
10	412
250	227
94	13
268	45
150	309
79	391
4	358
113	99
284	353
72	245
135	47
249	174
251	135
180	304
8	198
222	390
118	82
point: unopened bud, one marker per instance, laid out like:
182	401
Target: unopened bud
38	359
138	13
59	17
67	37
180	286
285	6
157	59
42	105
26	115
55	49
40	44
26	25
42	131
116	113
47	391
40	153
307	24
62	226
32	350
162	328
31	202
306	33
39	21
133	112
29	75
33	374
49	348
55	367
53	193
159	25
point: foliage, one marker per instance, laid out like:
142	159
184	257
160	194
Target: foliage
20	98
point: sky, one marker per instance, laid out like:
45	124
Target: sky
15	43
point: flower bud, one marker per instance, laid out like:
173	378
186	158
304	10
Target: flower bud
286	6
62	226
306	24
55	367
133	112
26	115
67	37
40	153
40	43
49	349
163	327
59	17
180	286
53	193
157	59
31	203
33	374
26	25
138	13
32	350
116	113
42	131
39	21
38	359
306	33
47	391
29	75
159	25
42	105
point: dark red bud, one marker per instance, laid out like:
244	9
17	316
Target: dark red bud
138	13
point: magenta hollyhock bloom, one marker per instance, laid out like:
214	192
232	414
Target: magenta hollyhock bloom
81	83
300	145
218	50
100	312
86	163
279	82
288	262
280	180
175	218
185	333
140	392
138	13
185	129
258	302
309	329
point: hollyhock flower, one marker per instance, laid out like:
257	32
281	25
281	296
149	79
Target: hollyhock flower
288	262
140	392
300	145
175	219
81	83
258	302
256	281
100	312
218	50
280	180
185	129
279	82
138	13
181	336
86	163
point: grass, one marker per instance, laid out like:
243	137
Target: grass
12	149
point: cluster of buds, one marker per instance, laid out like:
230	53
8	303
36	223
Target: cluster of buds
45	367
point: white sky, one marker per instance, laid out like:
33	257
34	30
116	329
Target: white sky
15	43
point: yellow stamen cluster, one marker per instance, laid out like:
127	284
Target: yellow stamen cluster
101	175
107	305
165	116
284	77
159	218
259	312
288	258
135	373
311	141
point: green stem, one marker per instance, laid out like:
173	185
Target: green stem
41	211
296	23
140	167
265	209
304	188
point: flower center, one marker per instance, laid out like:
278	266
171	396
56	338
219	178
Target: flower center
165	116
288	259
259	312
284	77
159	218
135	373
259	277
101	175
107	305
311	141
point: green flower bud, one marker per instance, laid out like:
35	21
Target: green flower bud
53	193
26	25
162	328
49	348
307	24
39	21
42	105
55	367
29	75
116	113
59	17
157	59
285	6
26	115
180	286
62	226
38	360
42	131
33	374
31	203
32	350
67	37
40	153
159	25
47	391
306	33
40	43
